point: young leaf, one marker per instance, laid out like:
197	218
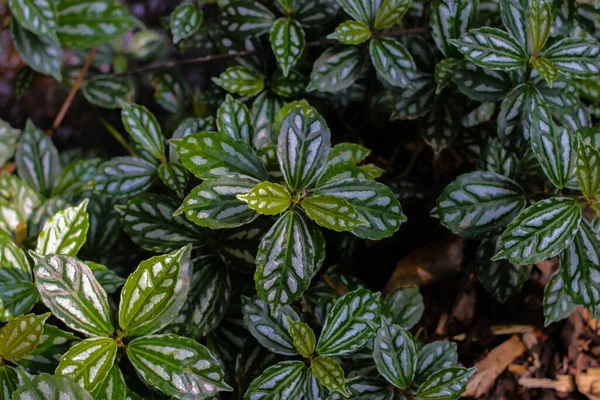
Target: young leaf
64	233
37	159
88	362
70	290
148	220
588	168
541	231
374	201
330	374
185	19
174	176
392	61
303	144
347	152
144	129
390	13
403	306
177	366
350	324
449	19
480	204
332	212
540	24
267	198
287	41
395	355
284	380
337	68
210	155
241	80
52	345
124	177
554	147
20	336
285	260
546	68
433	357
233	120
108	91
575	57
351	32
557	303
246	18
447	383
49	387
214	203
491	48
270	329
113	387
37	16
303	337
154	293
360	10
42	53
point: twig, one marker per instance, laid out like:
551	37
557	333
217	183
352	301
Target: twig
65	107
115	134
245	53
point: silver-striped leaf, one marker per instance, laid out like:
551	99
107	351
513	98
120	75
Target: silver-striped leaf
267	198
403	306
287	41
76	177
185	19
16	298
69	289
515	17
540	24
9	381
37	16
479	204
8	141
284	380
174	176
291	85
177	366
447	383
246	18
314	13
588	168
186	128
448	20
66	232
395	355
46	355
21	335
104	228
144	129
575	57
107	278
481	84
491	48
350	324
108	91
124	177
88	362
514	112
363	11
557	304
233	120
390	13
241	80
392	61
171	91
154	293
329	374
50	387
332	212
351	32
238	246
433	357
113	387
42	53
541	231
314	390
337	68
264	109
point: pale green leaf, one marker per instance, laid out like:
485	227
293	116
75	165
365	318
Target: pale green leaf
241	80
433	357
303	337
540	24
330	374
113	387
392	61
332	212
20	336
144	129
37	16
49	387
403	306
445	384
588	168
395	355
246	18
351	32
491	48
65	232
108	91
287	41
233	120
42	53
546	68
46	355
557	303
390	13
267	198
185	19
575	57
124	177
337	68
284	380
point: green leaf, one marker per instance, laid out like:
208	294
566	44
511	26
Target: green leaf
541	231
500	278
124	177
575	57
546	69
211	155
445	384
177	366
314	390
186	128
9	382
390	13
170	90
449	19
330	374
49	387
23	82
175	176
347	152
267	198
21	335
70	290
303	144
185	19
264	109
233	120
303	337
76	177
53	344
392	61
351	32
481	84
284	380
540	24
287	41
360	10
65	232
580	267
479	204
491	48
515	17
285	260
241	80
14	265
557	303
84	24
416	100
350	324
113	387
148	220
433	357
514	111
104	228
108	91
37	159
337	68
8	141
332	212
107	278
246	18
314	13
288	86
587	168
270	329
42	53
403	306
214	203
238	246
562	99
88	362
37	16
144	129
154	293
374	201
17	297
395	355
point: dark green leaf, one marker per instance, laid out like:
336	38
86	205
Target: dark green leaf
108	91
449	19
175	176
42	53
445	384
557	303
233	120
170	90
337	68
395	355
124	177
241	80
185	19
144	129
76	177
246	18
491	48
515	17
392	61
113	387
575	57
287	41
37	16
48	387
403	306
284	380
288	86
360	10
433	357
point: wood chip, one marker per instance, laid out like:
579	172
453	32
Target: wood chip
562	384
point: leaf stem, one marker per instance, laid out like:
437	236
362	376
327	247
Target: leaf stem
115	134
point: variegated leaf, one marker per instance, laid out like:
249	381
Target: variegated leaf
481	84
49	387
575	57
557	303
241	80
16	298
14	265
144	129
238	246
22	85
288	86
449	19
174	176
392	61
19	194
546	69
177	366
171	91
541	231
491	48
113	387
447	383
352	321
42	53
88	362
107	278
332	212
314	13
403	306
76	177
360	10
185	19
20	336
351	32
154	293
246	18
390	13
46	355
124	177
347	152
515	17
284	380
303	338
264	109
233	120
330	374
395	355
8	142
337	68
9	381
433	357
104	226
186	128
70	290
540	24
588	168
514	112
65	232
267	198
37	16
108	91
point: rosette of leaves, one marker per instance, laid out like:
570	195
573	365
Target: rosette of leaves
325	187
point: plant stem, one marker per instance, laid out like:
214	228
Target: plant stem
115	134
